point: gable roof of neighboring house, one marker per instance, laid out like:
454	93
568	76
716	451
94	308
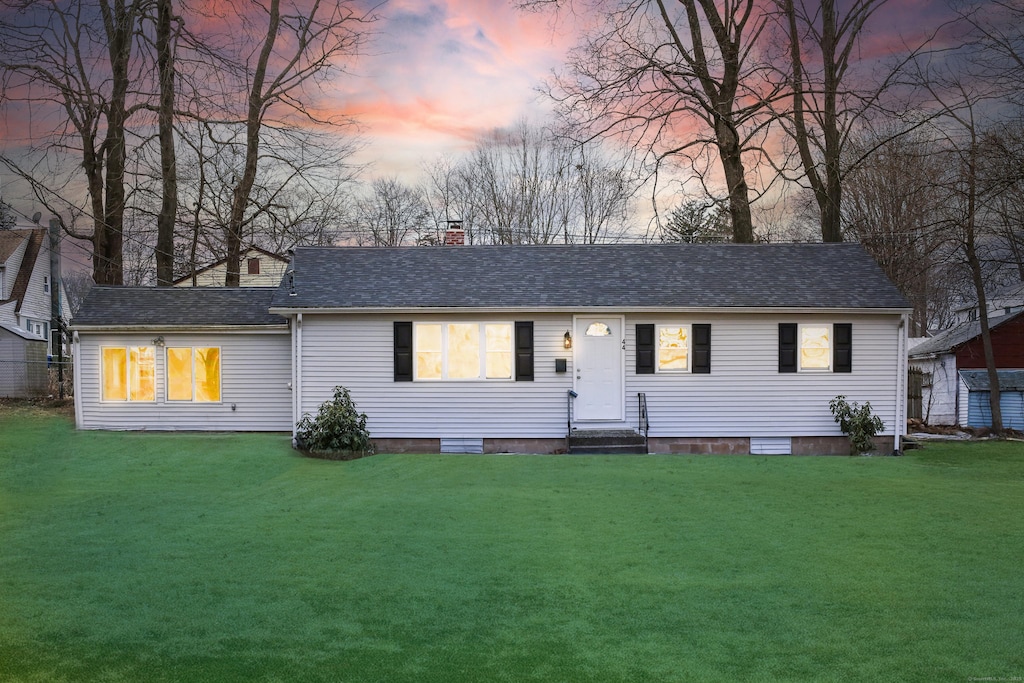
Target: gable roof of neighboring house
1009	380
951	339
223	261
10	240
570	277
175	307
35	237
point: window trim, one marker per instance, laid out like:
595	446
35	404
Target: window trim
127	374
799	348
192	367
689	350
482	327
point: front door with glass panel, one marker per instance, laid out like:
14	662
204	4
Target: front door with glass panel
599	361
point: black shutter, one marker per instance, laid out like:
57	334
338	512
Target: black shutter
403	351
645	349
524	351
702	349
842	347
787	347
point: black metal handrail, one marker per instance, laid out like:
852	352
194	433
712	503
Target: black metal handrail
645	424
569	396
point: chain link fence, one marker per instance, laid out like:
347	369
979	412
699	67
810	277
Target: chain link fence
36	379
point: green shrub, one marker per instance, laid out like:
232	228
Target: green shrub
857	422
337	430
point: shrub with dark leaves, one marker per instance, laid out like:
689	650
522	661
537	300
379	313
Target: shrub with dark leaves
338	428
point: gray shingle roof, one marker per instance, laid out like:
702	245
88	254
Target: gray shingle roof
581	276
176	306
947	341
1009	380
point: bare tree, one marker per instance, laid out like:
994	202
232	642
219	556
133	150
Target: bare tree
393	214
168	161
299	44
962	96
893	207
686	81
7	219
828	97
528	185
78	57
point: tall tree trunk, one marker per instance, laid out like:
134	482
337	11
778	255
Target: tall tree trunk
735	177
253	123
168	163
974	262
119	22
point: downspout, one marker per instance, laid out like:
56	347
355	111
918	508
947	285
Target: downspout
76	365
296	376
901	384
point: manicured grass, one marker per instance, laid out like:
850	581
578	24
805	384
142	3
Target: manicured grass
148	557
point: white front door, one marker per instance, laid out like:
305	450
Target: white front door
599	345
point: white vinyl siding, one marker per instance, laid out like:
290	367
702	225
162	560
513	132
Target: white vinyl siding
255	373
37	303
940	399
357	352
745	394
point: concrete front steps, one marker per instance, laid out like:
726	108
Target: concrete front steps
609	441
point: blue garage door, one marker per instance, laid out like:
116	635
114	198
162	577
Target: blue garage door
979	414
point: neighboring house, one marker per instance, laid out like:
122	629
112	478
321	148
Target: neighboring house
736	348
22	363
1003	301
165	358
943	358
259	268
25	300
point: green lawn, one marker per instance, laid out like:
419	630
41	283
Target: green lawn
148	557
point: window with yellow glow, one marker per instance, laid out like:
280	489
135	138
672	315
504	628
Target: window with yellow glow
129	374
193	374
463	351
815	347
674	348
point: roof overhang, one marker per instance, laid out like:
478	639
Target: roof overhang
284	311
283	327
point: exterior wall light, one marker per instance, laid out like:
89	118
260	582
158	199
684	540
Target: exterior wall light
159	341
567	340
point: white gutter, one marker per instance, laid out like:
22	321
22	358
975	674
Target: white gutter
588	309
76	357
900	428
197	329
296	374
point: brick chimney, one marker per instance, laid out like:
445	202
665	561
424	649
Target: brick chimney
455	235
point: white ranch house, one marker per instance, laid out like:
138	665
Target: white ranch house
733	348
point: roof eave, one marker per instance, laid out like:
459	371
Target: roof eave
404	310
180	328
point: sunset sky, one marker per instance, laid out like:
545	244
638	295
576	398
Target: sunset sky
437	74
445	71
440	73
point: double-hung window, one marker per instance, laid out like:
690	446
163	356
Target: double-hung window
462	351
673	348
128	373
193	374
815	347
